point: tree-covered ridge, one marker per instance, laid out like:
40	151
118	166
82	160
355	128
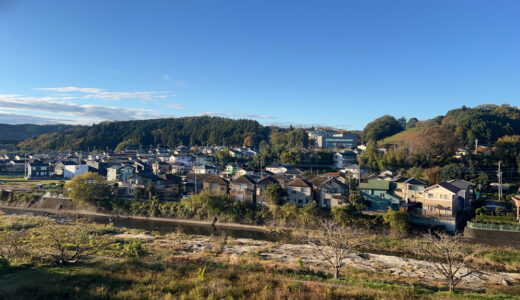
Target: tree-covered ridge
188	131
23	131
487	123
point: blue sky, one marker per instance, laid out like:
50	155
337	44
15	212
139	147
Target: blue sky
333	63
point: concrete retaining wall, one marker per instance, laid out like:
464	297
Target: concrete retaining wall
493	237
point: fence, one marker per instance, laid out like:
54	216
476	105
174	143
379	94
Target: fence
501	227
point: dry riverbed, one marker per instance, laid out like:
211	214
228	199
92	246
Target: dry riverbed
231	250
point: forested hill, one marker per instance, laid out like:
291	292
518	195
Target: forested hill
171	132
487	123
23	131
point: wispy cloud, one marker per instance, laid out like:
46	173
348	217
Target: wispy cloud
96	93
173	82
94	112
176	106
234	115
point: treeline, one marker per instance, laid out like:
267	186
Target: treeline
171	132
487	123
21	132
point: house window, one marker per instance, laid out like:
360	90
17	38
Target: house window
430	195
431	208
300	201
382	195
294	192
371	192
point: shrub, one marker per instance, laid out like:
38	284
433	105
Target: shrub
133	249
398	220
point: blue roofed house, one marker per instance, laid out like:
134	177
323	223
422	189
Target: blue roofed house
379	194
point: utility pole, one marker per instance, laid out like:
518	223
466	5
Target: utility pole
349	188
499	174
476	146
261	171
195	172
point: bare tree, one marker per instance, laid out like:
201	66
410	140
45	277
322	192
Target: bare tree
449	256
66	244
335	242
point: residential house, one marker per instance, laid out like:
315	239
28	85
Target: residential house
15	166
72	171
299	192
444	199
293	173
408	189
97	167
356	171
37	169
261	185
230	169
194	183
60	166
142	180
380	194
243	188
203	159
467	188
205	169
344	159
180	168
215	184
325	188
160	167
282	179
170	187
180	159
120	173
244	171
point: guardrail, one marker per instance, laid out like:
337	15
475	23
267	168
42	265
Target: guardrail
501	227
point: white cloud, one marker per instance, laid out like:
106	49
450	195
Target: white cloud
72	89
95	93
52	105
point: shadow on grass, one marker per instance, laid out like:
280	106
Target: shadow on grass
78	281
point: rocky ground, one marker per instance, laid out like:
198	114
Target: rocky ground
308	257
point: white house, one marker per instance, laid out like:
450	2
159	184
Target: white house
72	171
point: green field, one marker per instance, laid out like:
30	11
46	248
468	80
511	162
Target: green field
17	181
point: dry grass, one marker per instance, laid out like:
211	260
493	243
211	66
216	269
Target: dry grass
170	271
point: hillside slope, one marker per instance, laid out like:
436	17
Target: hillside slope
23	131
188	131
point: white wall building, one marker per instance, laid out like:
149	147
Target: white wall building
74	170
